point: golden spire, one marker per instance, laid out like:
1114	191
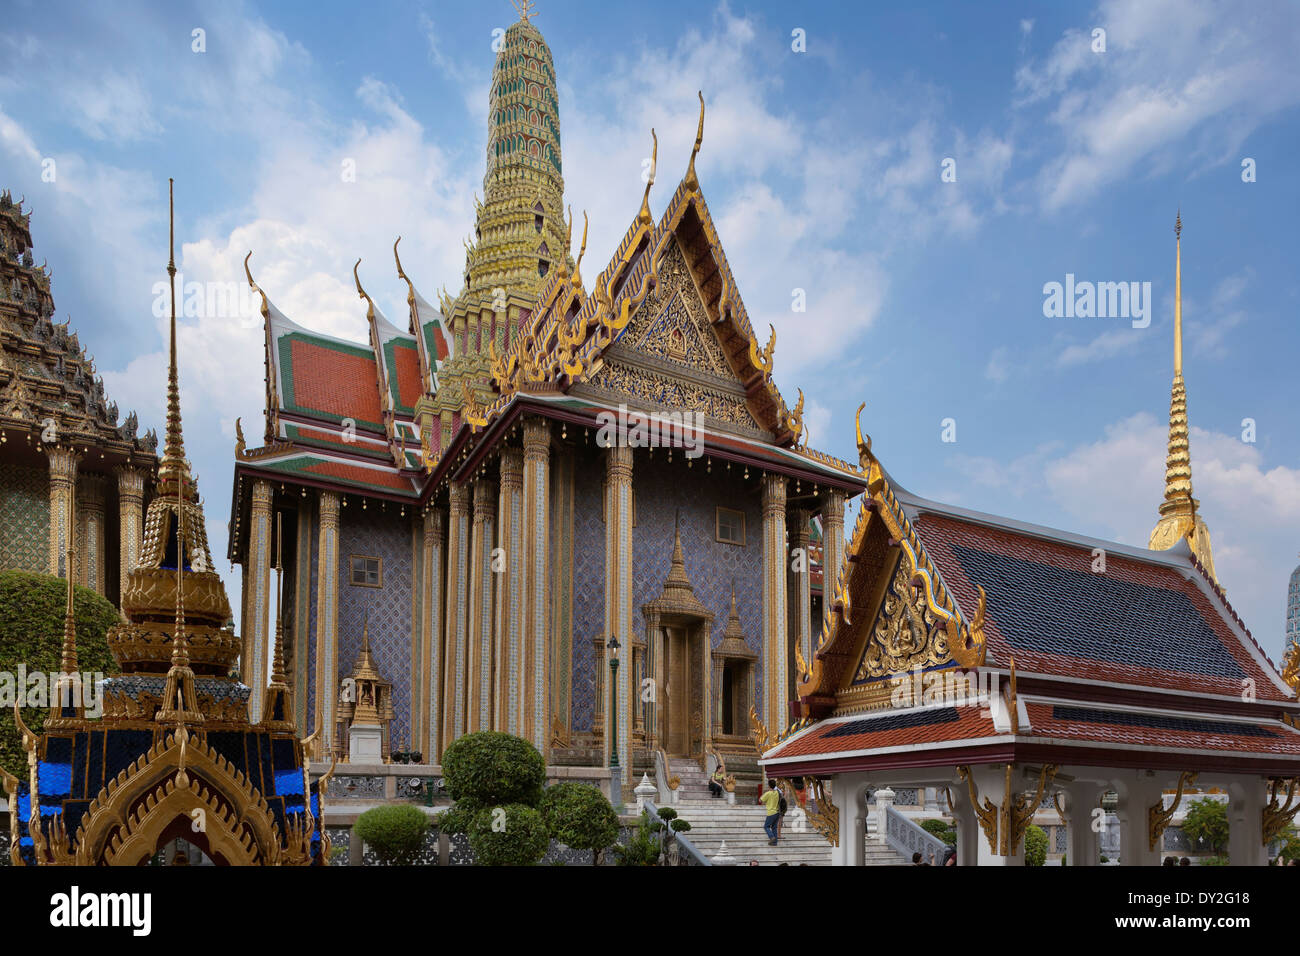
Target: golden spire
67	703
174	470
180	701
1178	514
525	8
69	660
644	215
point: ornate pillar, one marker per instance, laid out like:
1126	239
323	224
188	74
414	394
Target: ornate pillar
90	521
252	668
327	618
302	587
130	518
775	676
1138	791
435	532
1083	837
483	540
536	539
457	615
63	485
799	576
510	593
618	599
832	550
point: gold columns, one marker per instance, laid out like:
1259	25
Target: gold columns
453	695
90	526
618	597
775	670
130	517
435	533
483	540
302	585
327	618
536	538
257	603
832	552
63	486
510	593
799	592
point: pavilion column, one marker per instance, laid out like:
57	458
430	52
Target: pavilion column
435	533
1083	839
536	540
457	614
799	577
302	587
1247	798
252	666
327	618
90	521
63	488
510	594
482	541
847	793
618	599
968	828
775	676
1138	792
990	783
832	550
130	518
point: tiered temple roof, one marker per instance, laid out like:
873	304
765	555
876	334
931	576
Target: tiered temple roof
45	374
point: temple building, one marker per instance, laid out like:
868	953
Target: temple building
1019	670
505	494
60	440
175	753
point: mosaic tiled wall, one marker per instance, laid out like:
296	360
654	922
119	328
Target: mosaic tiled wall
662	489
385	535
24	518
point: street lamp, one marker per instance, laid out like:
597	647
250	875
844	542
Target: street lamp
615	772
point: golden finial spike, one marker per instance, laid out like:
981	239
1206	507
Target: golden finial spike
400	273
692	181
266	310
577	278
173	468
525	8
361	293
1178	295
644	215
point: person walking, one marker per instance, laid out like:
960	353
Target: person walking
771	800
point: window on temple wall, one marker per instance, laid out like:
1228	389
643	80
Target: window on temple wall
543	267
730	526
367	572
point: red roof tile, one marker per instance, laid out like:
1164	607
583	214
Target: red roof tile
335	382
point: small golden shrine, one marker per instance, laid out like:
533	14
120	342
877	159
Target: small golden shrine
365	706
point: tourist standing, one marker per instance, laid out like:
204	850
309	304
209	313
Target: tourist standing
771	800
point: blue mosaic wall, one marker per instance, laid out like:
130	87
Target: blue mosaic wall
376	533
24	518
661	490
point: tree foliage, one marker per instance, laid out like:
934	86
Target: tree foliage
1206	825
579	816
31	634
491	768
508	835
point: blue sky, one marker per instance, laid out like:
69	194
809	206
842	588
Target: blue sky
823	171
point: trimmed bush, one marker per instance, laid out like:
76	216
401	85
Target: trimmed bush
395	833
643	848
31	634
491	768
941	829
508	835
580	817
1035	846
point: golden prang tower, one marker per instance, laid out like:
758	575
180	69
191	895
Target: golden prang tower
519	232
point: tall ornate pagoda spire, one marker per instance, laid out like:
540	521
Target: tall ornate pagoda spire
1179	517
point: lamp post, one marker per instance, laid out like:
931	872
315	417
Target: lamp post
615	771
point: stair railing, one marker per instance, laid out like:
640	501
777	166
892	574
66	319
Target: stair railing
906	837
688	854
666	782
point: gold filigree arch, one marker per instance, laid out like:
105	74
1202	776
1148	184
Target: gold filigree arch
120	820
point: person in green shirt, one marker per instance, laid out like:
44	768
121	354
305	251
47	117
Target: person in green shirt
716	784
771	800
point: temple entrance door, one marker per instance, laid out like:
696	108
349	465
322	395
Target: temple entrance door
676	692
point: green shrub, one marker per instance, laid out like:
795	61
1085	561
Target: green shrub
509	835
643	848
1215	861
1035	846
1206	824
31	633
580	817
493	769
395	833
941	829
